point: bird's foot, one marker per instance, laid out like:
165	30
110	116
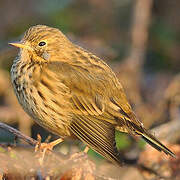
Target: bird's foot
42	148
86	149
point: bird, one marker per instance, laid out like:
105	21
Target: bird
73	93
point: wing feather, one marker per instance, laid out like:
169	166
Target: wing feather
98	135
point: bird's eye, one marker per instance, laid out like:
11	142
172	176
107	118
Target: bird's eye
42	43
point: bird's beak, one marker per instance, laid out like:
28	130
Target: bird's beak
18	44
21	45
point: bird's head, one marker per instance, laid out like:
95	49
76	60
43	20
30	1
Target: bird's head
42	44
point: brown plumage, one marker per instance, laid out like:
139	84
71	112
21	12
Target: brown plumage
70	91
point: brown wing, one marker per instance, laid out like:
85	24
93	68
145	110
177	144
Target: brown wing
89	90
97	134
89	94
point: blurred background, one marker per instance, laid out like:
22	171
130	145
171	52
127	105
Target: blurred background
139	39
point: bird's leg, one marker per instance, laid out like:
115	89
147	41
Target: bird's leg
43	147
47	146
86	149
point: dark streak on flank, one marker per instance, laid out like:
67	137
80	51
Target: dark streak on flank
22	68
30	66
44	111
34	100
41	95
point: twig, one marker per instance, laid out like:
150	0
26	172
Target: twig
18	134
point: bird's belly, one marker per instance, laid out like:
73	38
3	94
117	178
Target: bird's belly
38	101
45	114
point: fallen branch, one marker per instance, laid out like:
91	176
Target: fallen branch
18	134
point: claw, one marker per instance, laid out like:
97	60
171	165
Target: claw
45	147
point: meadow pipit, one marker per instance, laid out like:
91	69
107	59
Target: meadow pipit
71	92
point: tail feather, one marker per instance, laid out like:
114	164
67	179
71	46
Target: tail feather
149	138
